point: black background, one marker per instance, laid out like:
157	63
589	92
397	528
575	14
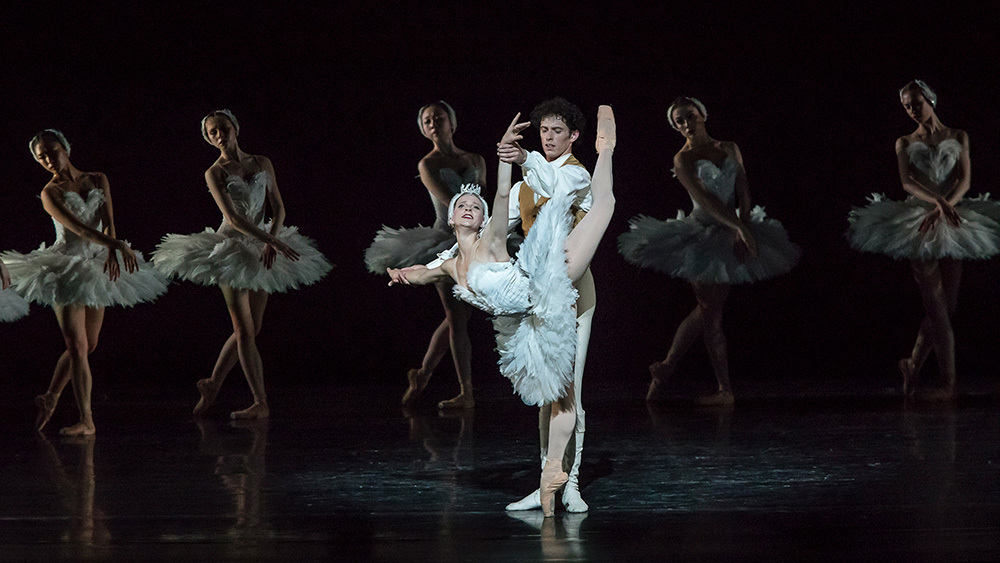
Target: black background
330	95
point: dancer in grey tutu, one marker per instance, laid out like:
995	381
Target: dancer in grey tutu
79	274
442	171
935	229
246	257
722	242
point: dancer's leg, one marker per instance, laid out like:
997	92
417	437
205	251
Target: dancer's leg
587	303
228	356
932	290
711	301
690	330
47	401
561	426
951	278
80	327
440	342
581	244
461	352
245	331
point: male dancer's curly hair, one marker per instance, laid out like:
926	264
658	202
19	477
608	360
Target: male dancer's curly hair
559	107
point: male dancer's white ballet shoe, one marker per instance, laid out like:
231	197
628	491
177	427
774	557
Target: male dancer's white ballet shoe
531	502
553	479
606	129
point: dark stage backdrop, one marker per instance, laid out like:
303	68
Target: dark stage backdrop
330	95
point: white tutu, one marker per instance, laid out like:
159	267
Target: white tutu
399	248
533	300
12	306
71	271
698	248
227	256
891	227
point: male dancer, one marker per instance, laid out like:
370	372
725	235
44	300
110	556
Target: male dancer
559	124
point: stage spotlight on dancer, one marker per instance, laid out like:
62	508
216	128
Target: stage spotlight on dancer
79	274
533	295
935	229
246	257
721	243
442	172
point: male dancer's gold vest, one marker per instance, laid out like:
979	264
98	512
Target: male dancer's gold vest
530	208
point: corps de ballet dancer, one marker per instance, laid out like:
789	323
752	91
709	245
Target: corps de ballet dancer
241	256
79	274
935	229
555	170
442	171
532	296
722	242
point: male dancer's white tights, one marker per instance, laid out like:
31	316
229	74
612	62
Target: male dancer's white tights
572	500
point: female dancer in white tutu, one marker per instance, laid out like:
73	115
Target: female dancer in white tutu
935	229
723	242
241	256
533	295
442	171
79	275
12	305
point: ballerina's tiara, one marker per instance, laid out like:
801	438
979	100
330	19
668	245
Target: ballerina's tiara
466	189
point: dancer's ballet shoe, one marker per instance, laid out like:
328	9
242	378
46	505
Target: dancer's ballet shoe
82	428
571	497
460	402
418	381
937	395
553	479
208	390
253	412
46	404
530	502
906	370
719	398
606	129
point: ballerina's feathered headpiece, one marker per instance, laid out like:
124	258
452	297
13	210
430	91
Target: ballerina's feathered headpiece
229	115
48	132
685	101
467	189
924	89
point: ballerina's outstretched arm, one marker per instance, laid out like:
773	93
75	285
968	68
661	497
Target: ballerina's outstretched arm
582	242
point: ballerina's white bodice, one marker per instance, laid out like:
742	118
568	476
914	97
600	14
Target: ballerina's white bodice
453	181
499	288
86	210
936	162
248	197
719	181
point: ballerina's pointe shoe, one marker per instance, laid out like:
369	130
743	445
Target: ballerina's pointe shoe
253	412
208	391
530	502
46	404
606	129
553	479
418	381
906	369
460	402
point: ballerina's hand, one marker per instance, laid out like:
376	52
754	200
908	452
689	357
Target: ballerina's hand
268	255
949	212
930	220
111	266
4	276
269	252
744	246
397	275
507	149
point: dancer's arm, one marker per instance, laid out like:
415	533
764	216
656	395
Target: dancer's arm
684	167
962	177
420	275
942	207
742	187
215	177
493	242
269	252
108	220
4	276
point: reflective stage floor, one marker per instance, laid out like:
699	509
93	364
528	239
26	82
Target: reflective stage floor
331	477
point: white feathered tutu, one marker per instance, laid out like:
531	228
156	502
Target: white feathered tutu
71	271
892	227
399	248
227	256
533	300
12	306
700	250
